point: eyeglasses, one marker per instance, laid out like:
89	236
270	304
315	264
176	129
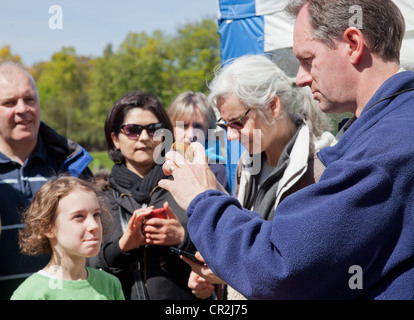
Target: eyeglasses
133	131
237	124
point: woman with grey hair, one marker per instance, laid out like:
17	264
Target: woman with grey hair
280	126
277	122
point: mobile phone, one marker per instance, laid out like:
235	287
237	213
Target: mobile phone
159	213
186	254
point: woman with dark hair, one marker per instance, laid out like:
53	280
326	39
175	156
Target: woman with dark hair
137	250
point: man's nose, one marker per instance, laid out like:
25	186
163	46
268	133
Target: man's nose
303	77
21	106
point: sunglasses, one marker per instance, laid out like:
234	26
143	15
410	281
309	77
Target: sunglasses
237	124
133	131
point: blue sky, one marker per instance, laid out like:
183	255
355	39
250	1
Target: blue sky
90	25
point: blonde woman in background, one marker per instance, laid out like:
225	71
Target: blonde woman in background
194	119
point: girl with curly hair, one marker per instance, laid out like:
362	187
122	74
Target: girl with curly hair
66	219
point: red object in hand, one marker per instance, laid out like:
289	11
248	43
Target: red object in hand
159	213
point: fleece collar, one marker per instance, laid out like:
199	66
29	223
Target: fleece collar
388	97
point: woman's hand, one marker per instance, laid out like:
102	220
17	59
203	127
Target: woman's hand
133	237
164	232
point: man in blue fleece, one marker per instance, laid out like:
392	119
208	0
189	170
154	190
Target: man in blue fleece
351	234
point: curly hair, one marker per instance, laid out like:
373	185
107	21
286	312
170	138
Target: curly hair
40	216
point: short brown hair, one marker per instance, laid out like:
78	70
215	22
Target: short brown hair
383	23
41	214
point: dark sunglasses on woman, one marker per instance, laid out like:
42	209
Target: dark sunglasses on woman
133	131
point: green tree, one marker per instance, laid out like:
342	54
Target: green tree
63	85
138	64
194	54
142	63
102	94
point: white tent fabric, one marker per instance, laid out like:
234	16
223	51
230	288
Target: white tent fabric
407	51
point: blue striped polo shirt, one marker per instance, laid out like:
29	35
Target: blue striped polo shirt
18	185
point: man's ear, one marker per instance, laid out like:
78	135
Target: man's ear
355	41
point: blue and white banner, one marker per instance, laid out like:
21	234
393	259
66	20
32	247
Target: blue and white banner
253	26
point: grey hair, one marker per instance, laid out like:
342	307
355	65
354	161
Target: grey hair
255	80
8	68
382	24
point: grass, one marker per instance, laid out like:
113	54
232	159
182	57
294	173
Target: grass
101	161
